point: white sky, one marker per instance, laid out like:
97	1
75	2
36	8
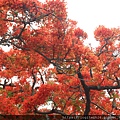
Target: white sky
91	13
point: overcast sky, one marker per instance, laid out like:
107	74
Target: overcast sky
91	13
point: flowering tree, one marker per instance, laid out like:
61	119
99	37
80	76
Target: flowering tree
49	63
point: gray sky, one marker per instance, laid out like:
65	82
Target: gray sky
91	13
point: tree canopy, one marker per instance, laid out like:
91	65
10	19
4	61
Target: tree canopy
49	63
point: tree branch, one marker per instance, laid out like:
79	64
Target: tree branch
104	87
34	78
101	108
50	112
86	89
41	77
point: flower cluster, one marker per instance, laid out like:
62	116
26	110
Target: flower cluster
80	33
102	33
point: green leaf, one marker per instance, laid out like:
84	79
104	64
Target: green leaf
1	88
78	108
22	98
10	94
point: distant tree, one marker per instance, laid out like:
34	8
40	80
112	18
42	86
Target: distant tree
48	62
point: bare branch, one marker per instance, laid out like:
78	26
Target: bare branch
41	77
104	87
50	112
101	108
34	82
87	92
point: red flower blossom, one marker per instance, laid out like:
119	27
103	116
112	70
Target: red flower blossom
80	33
103	33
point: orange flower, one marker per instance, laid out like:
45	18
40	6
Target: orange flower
80	33
103	33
